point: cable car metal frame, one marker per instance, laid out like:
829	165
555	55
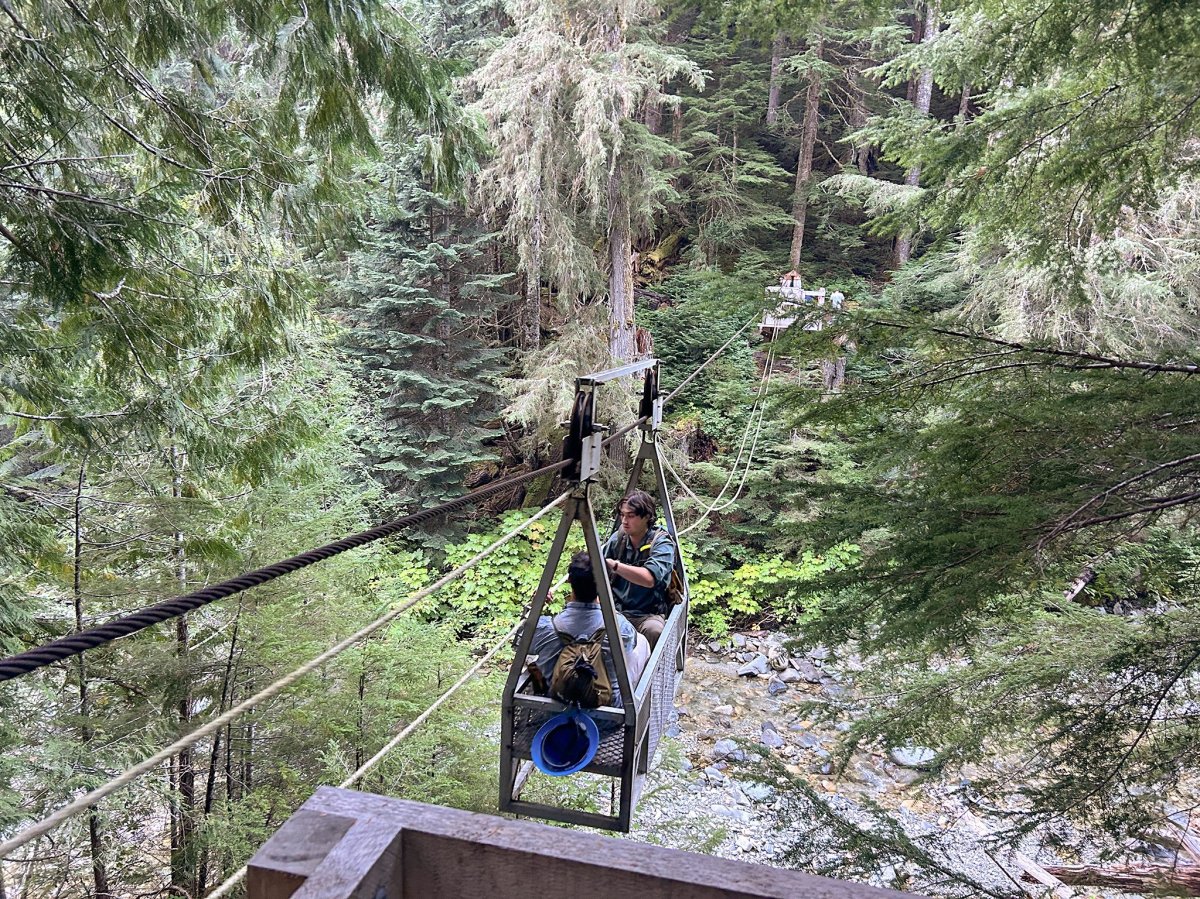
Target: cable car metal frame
629	735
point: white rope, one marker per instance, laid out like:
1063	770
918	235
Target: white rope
741	446
391	744
52	821
760	407
238	875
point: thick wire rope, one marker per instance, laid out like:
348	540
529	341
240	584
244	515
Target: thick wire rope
83	802
759	399
716	507
74	644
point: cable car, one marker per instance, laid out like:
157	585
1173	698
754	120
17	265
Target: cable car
541	735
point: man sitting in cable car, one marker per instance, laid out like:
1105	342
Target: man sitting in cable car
640	557
580	619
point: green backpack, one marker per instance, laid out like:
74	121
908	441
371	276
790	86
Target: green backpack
579	675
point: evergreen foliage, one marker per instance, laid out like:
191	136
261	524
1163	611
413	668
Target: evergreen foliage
417	299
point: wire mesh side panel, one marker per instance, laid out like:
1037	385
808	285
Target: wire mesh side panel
527	722
665	681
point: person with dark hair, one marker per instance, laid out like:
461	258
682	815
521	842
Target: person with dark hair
640	556
580	619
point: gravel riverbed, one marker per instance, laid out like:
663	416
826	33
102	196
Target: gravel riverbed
715	788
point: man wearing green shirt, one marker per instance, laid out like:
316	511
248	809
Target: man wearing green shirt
640	556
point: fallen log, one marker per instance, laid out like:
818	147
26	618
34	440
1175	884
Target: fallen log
1182	880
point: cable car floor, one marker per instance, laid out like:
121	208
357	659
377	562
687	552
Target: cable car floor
715	785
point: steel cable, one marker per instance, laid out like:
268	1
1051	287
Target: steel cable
74	644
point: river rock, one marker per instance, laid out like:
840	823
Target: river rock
818	653
714	774
790	676
723	710
919	758
775	687
737	814
809	741
756	667
739	641
809	671
727	749
770	737
758	792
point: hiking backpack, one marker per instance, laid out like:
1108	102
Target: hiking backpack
579	675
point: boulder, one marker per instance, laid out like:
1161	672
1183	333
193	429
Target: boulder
755	667
919	758
809	671
727	749
771	738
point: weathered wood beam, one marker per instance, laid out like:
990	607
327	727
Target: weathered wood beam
347	845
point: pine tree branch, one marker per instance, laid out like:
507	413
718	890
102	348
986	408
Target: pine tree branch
1101	361
1170	502
1100	497
1141	735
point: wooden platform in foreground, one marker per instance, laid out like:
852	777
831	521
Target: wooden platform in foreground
347	845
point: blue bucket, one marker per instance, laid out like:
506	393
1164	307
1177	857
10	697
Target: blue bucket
566	743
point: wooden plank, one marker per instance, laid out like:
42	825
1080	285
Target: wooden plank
293	852
447	852
363	865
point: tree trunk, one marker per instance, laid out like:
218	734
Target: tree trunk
215	756
860	154
652	116
360	751
529	321
86	733
620	278
808	141
964	104
1177	880
921	99
775	86
183	808
620	236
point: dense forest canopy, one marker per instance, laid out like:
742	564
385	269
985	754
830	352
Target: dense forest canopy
268	273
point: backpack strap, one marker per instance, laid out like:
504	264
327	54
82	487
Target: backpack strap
564	638
619	547
660	534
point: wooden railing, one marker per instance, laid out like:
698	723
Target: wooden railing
347	845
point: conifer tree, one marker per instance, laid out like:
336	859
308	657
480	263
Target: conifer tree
572	164
418	299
